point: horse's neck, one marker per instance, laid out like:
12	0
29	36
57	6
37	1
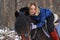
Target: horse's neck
31	19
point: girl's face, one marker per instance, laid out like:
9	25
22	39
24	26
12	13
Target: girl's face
32	10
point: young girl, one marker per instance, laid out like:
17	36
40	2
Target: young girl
40	15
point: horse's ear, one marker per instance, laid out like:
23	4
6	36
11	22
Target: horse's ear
16	14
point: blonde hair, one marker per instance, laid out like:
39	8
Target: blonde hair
35	4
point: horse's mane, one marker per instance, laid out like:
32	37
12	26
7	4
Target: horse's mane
25	11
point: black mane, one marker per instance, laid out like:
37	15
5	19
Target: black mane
25	11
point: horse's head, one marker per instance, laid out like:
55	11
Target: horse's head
23	21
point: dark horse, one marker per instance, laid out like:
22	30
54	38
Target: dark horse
23	27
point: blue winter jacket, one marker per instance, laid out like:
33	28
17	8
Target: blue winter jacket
40	19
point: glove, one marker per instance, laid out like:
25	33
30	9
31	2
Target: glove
34	26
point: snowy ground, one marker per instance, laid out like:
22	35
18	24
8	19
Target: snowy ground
8	34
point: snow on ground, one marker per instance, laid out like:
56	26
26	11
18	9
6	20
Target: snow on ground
9	33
